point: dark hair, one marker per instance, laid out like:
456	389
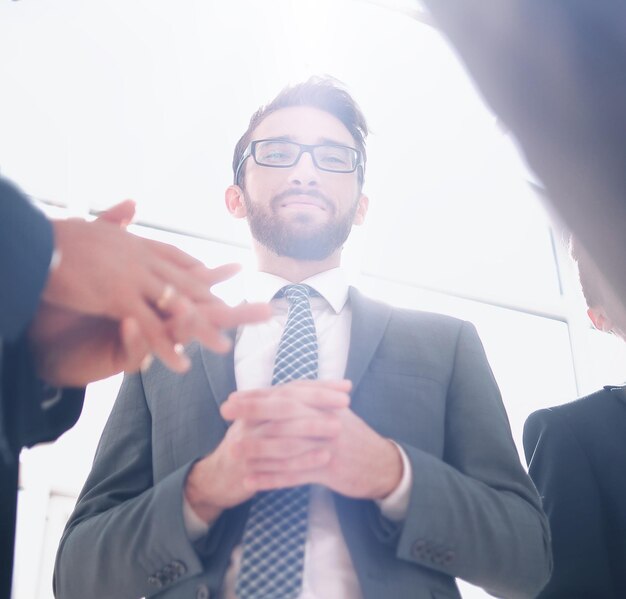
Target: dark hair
325	93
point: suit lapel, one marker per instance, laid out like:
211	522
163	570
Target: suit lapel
369	322
220	371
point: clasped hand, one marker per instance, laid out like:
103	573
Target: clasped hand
302	432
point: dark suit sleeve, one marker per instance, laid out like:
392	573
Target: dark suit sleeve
30	412
562	472
26	245
37	413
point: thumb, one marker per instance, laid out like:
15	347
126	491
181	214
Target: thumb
121	214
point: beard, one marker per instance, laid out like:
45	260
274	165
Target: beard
293	238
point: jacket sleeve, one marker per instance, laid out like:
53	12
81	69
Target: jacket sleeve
26	245
567	483
476	514
126	538
31	411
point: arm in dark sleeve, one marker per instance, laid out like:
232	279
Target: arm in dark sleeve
32	412
26	245
560	468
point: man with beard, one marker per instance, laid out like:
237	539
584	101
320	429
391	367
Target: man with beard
344	449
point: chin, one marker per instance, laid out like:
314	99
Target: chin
306	218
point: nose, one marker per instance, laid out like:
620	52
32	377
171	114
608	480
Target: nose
304	172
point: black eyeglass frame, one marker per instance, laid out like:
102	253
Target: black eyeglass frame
251	151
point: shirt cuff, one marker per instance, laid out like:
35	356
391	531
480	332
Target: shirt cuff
395	505
195	526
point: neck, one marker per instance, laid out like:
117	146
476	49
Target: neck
291	269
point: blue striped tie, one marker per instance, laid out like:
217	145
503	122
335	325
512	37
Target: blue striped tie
275	533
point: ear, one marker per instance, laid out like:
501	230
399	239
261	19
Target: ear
234	201
600	320
361	211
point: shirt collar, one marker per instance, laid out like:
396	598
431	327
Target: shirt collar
331	284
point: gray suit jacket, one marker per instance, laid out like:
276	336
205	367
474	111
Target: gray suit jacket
420	379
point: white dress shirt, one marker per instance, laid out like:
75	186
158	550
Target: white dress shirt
328	570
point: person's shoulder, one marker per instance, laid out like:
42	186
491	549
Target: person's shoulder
591	426
582	418
588	406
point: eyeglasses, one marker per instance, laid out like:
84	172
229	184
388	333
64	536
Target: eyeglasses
277	153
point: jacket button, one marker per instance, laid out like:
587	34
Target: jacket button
202	592
166	574
179	568
155	581
447	558
418	548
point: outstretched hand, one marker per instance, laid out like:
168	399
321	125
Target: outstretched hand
116	299
106	271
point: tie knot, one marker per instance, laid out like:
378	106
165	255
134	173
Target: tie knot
296	293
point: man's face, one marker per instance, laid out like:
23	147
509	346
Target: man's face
300	211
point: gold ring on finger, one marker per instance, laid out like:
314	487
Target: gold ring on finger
166	297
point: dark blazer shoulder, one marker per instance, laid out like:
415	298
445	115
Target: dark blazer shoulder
581	410
592	420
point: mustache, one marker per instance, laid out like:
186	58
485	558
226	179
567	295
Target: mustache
314	193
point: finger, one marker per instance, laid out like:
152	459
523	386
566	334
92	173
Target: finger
188	282
181	319
212	320
135	347
195	281
169	253
292	400
165	299
222	273
272	409
121	214
210	337
302	470
261	449
221	315
159	294
311	391
186	323
325	425
155	332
